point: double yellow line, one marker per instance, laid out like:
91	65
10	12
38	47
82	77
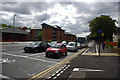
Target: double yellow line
43	73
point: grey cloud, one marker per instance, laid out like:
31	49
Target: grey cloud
42	17
26	7
16	8
96	8
91	9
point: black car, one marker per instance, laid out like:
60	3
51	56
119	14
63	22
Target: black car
36	47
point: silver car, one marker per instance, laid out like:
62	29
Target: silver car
72	46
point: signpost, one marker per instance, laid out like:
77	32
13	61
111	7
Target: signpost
100	31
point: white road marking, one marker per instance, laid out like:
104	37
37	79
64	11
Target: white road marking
61	72
57	71
49	77
54	77
29	58
85	51
36	54
58	74
2	76
84	69
53	74
6	60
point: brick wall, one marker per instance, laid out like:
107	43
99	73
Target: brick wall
47	34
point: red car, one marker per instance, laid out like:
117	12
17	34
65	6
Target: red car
57	49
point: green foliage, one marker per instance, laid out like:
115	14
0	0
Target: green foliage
29	28
4	25
107	43
106	23
40	36
118	44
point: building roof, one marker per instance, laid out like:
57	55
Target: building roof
16	30
44	25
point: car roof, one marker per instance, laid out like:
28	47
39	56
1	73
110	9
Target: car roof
59	43
71	42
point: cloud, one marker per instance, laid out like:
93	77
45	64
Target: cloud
25	7
42	17
71	16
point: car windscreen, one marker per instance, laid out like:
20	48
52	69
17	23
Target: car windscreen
35	43
71	44
53	42
56	46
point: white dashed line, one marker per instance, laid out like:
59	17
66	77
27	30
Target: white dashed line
85	51
58	73
54	77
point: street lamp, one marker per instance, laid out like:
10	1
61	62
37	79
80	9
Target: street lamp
13	25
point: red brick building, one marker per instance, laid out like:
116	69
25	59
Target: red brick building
13	34
34	34
51	33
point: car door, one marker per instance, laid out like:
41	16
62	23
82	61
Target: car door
45	45
41	46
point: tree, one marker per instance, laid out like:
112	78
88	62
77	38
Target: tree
105	23
40	36
4	25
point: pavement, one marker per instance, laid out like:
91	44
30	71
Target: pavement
89	65
7	43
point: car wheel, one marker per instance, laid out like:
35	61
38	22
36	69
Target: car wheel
46	54
26	51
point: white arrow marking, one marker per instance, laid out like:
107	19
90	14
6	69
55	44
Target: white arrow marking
84	69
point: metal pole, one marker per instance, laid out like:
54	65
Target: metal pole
13	26
99	45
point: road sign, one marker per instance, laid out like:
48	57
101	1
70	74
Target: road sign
100	30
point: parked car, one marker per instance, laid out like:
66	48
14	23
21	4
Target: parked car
72	46
56	50
52	43
36	47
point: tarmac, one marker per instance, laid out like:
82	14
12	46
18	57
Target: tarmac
91	65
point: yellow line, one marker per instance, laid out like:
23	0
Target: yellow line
56	65
43	71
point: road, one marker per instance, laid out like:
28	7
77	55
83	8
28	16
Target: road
90	65
18	64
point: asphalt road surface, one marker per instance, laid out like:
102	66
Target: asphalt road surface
18	64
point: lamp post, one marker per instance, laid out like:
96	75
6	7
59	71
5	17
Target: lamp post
13	26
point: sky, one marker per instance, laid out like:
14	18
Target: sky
72	16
